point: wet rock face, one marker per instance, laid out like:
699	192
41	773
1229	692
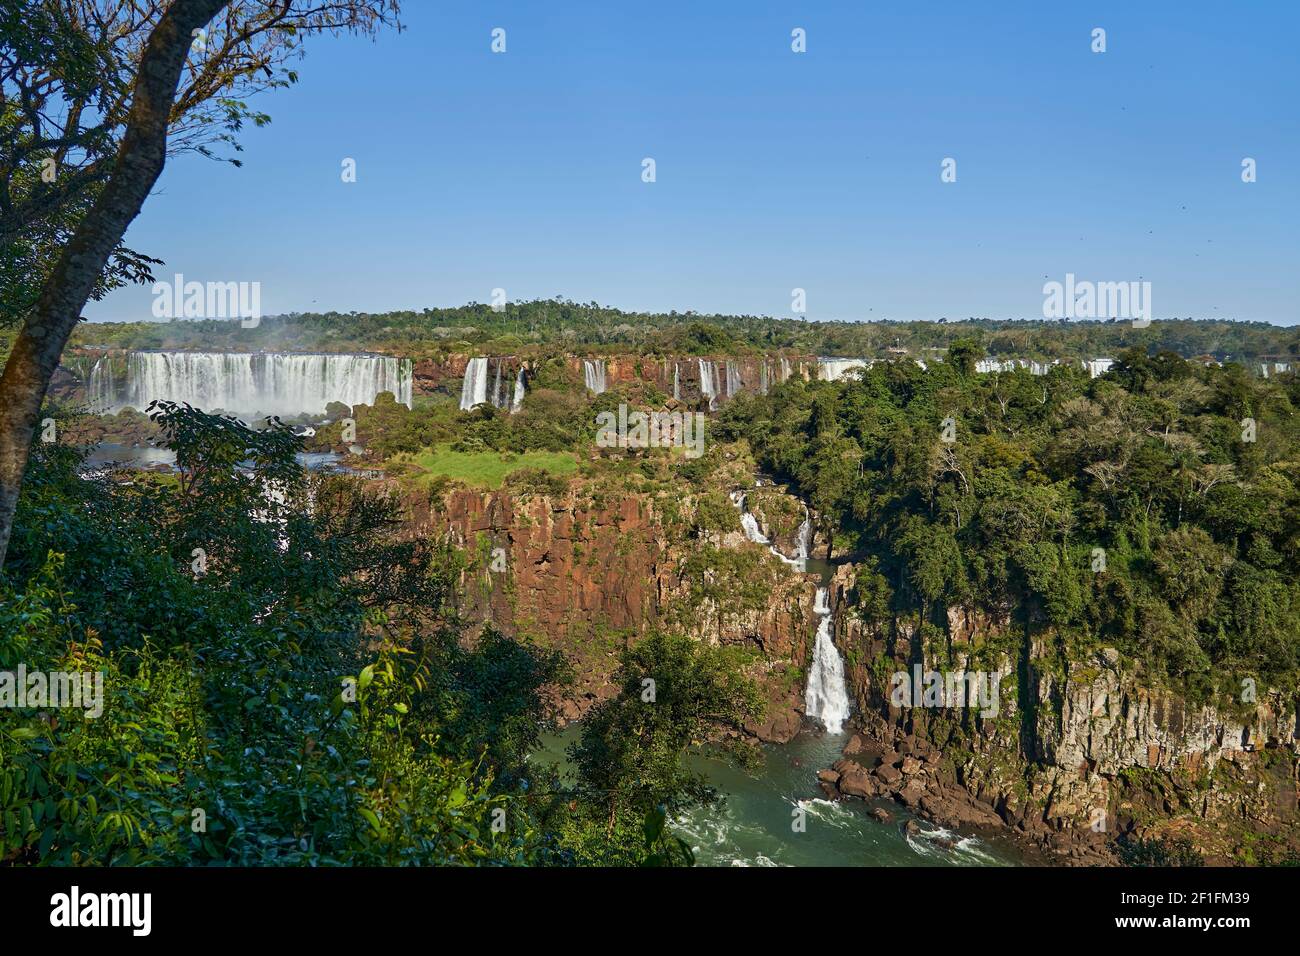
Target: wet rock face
586	575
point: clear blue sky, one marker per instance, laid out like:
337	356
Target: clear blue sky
775	170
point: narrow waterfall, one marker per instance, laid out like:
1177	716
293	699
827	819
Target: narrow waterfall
593	374
785	369
518	398
827	696
248	383
763	382
496	388
474	389
803	538
749	524
677	382
709	382
734	383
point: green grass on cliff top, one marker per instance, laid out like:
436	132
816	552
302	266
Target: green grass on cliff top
487	469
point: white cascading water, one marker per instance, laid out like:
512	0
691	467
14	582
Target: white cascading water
266	383
518	399
677	382
749	524
593	374
827	696
734	383
473	391
833	369
709	382
101	391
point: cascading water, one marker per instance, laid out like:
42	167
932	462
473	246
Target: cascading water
677	382
833	369
593	374
473	391
734	383
709	382
101	391
518	398
826	697
265	383
749	524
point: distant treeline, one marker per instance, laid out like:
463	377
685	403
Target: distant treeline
522	326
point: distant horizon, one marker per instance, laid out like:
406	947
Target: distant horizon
150	320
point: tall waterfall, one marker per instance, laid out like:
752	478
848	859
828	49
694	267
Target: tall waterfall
101	390
709	382
677	382
518	398
593	374
734	383
827	696
473	391
249	383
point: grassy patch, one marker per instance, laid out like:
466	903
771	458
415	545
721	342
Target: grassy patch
487	469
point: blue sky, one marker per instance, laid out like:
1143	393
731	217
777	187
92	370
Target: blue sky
775	170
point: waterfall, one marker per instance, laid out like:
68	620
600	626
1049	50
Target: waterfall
734	384
101	390
474	389
785	368
763	382
593	374
496	388
247	383
826	697
749	524
833	369
708	382
518	398
677	382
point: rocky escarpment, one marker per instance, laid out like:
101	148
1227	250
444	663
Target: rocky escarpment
1075	754
586	574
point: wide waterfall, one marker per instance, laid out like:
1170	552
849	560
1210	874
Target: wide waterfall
250	383
833	369
827	696
593	374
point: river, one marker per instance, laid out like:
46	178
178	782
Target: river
755	823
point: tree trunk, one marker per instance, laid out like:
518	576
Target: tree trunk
139	162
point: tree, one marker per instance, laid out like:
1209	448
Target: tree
67	73
674	691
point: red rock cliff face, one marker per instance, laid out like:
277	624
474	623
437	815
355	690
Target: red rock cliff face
1075	750
587	575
